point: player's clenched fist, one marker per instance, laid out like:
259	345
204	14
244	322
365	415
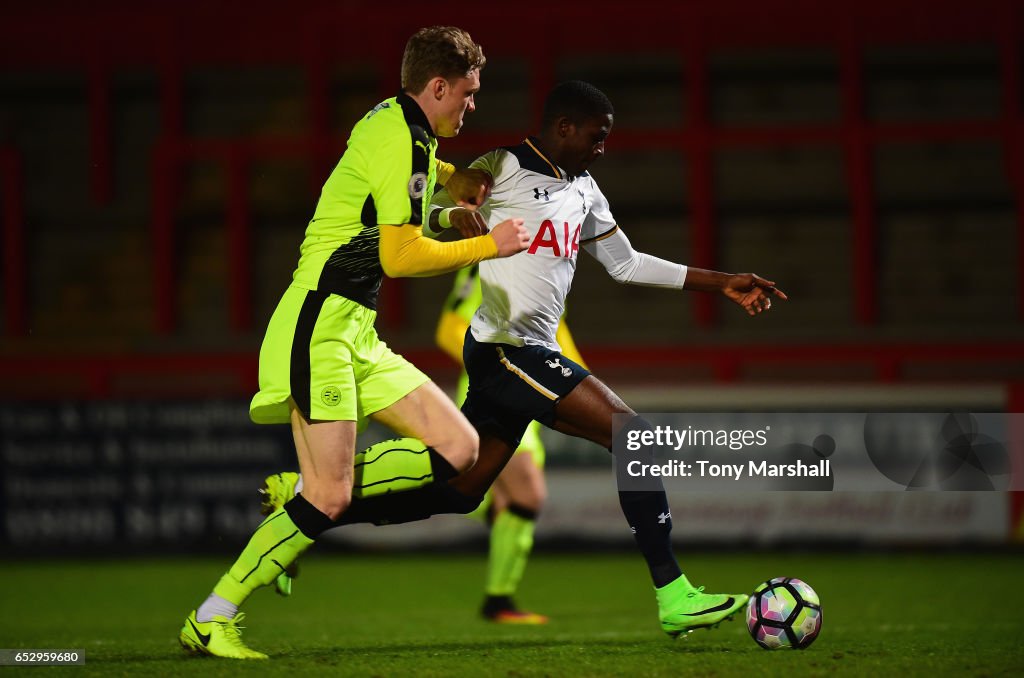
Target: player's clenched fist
469	187
468	223
511	237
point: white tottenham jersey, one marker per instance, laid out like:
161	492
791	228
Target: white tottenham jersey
524	295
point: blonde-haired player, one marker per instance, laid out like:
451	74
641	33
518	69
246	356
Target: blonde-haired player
323	367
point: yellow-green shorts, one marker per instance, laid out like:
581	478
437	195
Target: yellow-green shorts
322	350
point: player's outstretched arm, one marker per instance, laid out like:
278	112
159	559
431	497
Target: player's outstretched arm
406	253
626	265
749	290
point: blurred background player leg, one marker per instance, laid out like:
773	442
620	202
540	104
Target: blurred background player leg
511	508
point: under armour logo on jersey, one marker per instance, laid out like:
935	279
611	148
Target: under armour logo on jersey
557	365
663	517
538	194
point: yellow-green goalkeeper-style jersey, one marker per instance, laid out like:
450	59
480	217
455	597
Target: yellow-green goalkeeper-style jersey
386	176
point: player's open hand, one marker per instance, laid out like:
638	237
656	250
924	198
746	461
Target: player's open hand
469	188
511	237
752	292
468	223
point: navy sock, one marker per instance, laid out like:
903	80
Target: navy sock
308	518
416	504
409	506
649	517
651	521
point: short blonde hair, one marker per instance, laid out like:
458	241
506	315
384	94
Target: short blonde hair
444	51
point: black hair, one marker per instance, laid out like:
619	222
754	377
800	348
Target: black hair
576	100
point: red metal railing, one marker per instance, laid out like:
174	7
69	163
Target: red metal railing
173	39
235	374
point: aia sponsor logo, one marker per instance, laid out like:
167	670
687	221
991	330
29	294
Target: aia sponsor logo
565	244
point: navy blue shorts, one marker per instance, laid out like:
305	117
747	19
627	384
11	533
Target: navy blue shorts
510	386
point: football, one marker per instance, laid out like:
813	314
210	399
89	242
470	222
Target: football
784	613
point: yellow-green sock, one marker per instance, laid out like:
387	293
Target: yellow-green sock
275	545
397	465
511	543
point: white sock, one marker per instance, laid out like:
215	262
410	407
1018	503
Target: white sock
215	606
298	484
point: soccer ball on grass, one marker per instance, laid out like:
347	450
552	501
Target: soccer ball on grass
784	613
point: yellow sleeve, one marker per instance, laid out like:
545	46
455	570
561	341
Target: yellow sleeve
445	170
405	253
451	334
569	349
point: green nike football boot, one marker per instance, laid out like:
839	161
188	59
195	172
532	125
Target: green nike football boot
220	637
683	608
277	491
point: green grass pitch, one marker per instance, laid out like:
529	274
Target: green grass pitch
415	615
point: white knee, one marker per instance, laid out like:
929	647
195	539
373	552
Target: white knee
462	449
330	499
335	508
